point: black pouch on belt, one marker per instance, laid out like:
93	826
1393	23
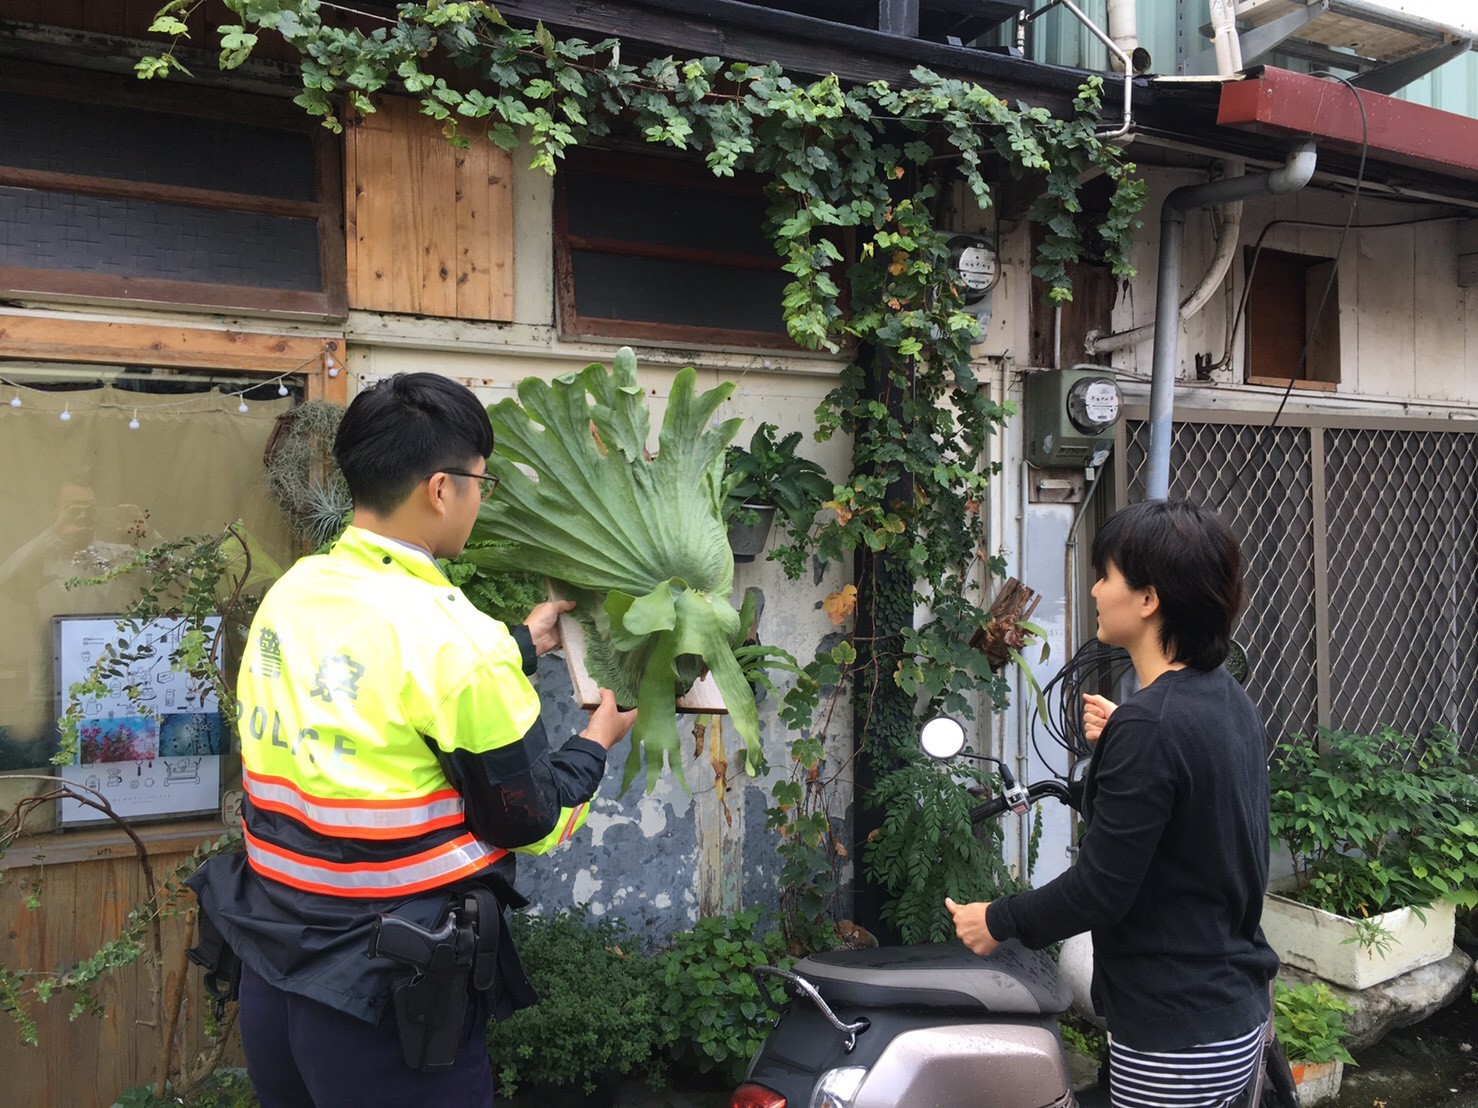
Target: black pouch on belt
222	967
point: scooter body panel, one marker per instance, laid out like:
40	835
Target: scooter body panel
919	1057
944	1028
970	1065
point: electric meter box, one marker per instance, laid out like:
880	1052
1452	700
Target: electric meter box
1070	416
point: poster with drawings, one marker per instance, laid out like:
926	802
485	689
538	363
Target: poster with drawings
151	744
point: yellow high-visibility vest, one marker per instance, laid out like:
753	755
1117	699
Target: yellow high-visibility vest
360	661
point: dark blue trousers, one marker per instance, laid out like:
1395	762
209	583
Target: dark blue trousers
303	1054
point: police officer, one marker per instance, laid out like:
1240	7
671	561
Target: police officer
392	760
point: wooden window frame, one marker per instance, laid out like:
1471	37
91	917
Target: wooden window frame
659	173
260	111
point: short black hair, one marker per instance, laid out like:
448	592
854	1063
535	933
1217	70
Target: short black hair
1195	564
402	428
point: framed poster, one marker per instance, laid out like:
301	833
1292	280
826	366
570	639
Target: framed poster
152	743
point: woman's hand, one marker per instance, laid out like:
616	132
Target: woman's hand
1096	712
970	926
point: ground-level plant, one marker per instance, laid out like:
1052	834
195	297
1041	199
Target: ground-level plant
713	1011
1309	1020
600	1000
1376	822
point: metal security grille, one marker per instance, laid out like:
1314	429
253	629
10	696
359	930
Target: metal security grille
1403	579
1362	551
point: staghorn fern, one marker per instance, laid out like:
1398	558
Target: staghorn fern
636	540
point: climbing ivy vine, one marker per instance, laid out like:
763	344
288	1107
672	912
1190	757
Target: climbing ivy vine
856	178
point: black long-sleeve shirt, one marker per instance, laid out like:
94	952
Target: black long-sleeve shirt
1172	869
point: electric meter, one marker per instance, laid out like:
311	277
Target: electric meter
1070	416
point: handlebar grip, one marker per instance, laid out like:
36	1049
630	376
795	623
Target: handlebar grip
989	810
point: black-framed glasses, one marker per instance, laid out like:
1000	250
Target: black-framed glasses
489	480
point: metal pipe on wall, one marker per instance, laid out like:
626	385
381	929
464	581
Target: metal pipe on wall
1221	263
1123	27
1294	175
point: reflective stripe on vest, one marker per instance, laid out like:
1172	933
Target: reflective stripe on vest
355	819
430	869
572	823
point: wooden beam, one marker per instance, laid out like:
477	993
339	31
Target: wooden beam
59	339
152	191
1296	107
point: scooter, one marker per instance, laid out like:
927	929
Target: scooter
929	1025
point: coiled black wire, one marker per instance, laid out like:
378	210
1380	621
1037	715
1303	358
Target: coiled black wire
1095	666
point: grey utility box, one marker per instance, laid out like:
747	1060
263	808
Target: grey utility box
1070	416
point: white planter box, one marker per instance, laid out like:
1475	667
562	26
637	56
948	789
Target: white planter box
1314	940
1318	1082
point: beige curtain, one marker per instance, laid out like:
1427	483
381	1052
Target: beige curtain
80	493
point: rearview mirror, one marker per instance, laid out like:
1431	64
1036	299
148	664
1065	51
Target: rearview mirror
942	737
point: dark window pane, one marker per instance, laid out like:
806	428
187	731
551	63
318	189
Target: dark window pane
130	144
659	213
688	293
141	238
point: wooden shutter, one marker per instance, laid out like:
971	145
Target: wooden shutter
429	227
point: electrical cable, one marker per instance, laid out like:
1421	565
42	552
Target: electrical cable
1093	665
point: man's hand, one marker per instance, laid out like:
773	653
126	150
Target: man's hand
970	926
1096	712
608	724
543	624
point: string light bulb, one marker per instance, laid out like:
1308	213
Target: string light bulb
281	389
242	408
15	401
66	416
133	424
331	365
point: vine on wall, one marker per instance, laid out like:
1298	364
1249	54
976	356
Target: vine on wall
864	165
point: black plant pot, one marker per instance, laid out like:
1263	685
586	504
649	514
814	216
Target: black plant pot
748	540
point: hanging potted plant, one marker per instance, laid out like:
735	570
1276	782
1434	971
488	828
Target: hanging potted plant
767	480
1383	834
1309	1021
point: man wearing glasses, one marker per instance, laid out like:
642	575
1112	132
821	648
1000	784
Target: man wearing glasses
393	760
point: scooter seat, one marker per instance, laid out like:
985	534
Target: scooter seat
1010	980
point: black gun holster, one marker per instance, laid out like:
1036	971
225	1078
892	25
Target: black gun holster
471	961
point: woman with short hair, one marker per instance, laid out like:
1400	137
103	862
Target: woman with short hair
1173	865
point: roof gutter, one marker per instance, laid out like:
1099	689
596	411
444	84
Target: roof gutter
1292	176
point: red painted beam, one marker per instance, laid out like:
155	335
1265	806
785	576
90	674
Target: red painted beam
1297	106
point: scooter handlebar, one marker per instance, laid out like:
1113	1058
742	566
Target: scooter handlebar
1019	798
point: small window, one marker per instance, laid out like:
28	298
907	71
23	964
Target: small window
655	248
168	194
1287	291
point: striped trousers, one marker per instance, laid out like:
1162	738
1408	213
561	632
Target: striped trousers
1209	1075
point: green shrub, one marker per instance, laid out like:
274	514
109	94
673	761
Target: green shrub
712	1013
1309	1021
1379	821
598	1007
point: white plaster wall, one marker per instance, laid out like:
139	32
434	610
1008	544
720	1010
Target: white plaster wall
1408	332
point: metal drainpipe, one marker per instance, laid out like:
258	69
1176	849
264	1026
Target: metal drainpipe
1294	175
